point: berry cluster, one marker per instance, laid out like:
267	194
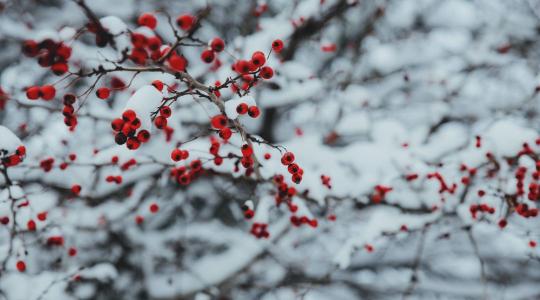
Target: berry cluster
46	92
51	54
296	172
70	119
484	208
126	130
253	111
260	230
15	158
185	175
326	181
380	193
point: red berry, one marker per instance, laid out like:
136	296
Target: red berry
277	45
242	108
246	150
103	93
59	68
117	124
143	136
42	216
287	158
148	20
217	44
129	115
219	121
21	266
176	155
177	62
242	66
133	143
208	56
72	251
31	225
154	208
165	111
47	92
160	122
266	72
258	59
33	93
225	133
254	111
76	189
158	84
185	22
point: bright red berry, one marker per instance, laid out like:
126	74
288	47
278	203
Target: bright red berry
148	20
217	44
242	108
208	56
185	22
33	93
47	92
287	158
266	72
219	121
21	266
254	111
160	122
103	93
154	208
277	45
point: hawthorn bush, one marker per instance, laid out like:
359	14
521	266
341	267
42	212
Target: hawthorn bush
314	149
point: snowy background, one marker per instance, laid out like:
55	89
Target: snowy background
415	122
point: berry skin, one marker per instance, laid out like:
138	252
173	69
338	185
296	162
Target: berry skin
165	111
117	124
287	158
69	99
219	122
160	122
242	67
33	93
225	133
208	56
267	156
217	44
158	84
59	68
133	144
266	72
120	138
42	216
154	208
177	62
246	150
21	266
103	93
31	225
176	155
72	251
129	115
277	45
254	111
148	20
242	108
258	59
143	136
76	189
185	22
47	92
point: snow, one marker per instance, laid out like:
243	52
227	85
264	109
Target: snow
8	140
